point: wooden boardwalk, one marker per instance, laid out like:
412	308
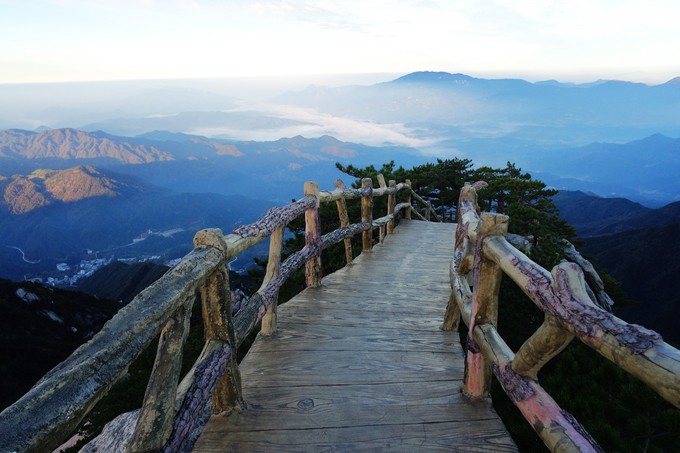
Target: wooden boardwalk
360	364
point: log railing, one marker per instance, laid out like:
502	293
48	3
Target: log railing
483	254
173	413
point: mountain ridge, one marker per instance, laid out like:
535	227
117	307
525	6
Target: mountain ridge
597	216
68	143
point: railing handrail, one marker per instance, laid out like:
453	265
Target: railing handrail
570	311
45	416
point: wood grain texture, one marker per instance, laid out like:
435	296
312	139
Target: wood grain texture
361	364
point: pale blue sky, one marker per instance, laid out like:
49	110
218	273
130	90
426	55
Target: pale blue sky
577	40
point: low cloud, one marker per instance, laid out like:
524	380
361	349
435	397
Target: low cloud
318	124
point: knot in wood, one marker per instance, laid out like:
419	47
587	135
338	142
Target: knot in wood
306	404
211	237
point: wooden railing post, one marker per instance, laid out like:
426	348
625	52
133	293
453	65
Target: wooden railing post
548	341
382	229
487	280
313	273
344	221
367	214
273	271
155	422
218	323
216	298
408	200
391	201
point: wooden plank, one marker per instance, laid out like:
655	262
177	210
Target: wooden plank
484	436
366	320
347	367
309	407
302	337
360	363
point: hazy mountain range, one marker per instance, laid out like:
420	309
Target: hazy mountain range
273	170
592	215
131	170
473	114
638	246
437	111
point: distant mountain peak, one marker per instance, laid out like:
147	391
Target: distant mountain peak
673	81
432	76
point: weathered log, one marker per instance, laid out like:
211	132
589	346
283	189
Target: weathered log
237	244
595	283
53	408
391	201
154	424
246	319
367	215
217	319
408	200
341	193
273	268
336	236
484	306
637	350
188	380
452	314
599	295
558	429
195	410
215	294
228	395
414	211
382	221
460	301
381	181
312	233
428	206
466	229
548	341
344	221
401	209
521	243
277	217
116	435
381	191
